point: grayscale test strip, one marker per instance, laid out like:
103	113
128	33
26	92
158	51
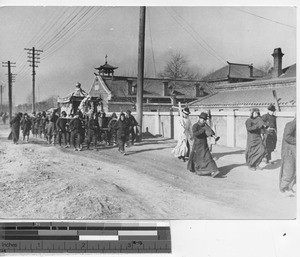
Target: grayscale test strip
90	237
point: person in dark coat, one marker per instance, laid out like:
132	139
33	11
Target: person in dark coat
132	123
121	127
201	161
52	132
270	134
255	150
26	126
287	178
61	128
111	132
37	121
15	127
103	126
92	131
75	126
68	130
33	118
42	128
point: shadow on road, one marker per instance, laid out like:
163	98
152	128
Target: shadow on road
224	170
220	155
154	142
146	150
273	165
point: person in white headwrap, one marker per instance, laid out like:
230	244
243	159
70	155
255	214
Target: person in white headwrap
182	149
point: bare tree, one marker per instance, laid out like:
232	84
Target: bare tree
177	68
266	67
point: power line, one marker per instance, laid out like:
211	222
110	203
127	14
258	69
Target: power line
198	35
64	33
215	54
45	32
51	23
71	35
192	35
60	28
41	30
258	16
27	31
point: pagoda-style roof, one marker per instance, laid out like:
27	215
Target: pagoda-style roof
106	69
106	66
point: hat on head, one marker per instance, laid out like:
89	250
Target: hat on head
78	85
128	111
271	108
203	115
255	110
186	111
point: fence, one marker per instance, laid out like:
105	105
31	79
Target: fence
229	125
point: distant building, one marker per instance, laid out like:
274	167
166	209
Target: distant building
118	93
234	73
252	91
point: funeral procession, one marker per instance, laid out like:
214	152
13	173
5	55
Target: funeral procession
157	112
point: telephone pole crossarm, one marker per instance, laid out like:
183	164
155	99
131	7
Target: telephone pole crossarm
33	56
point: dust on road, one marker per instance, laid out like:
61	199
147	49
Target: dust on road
46	182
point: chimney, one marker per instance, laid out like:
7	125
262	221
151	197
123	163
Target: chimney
199	90
166	90
251	70
129	86
277	66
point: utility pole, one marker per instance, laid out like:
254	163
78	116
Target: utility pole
140	78
8	63
1	91
33	55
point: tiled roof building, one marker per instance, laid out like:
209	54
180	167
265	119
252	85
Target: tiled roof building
260	91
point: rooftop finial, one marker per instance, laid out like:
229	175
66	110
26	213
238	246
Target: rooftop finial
105	59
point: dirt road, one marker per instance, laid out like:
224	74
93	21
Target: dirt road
47	182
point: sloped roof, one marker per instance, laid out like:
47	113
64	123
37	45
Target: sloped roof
289	71
249	97
106	66
152	87
233	70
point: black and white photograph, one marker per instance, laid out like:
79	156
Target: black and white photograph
148	112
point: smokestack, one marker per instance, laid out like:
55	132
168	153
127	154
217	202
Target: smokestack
251	70
277	66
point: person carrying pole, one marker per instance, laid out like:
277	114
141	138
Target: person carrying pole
184	135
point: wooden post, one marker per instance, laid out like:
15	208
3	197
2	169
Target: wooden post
1	97
140	79
9	90
276	100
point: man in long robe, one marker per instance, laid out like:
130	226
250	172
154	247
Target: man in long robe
269	135
255	150
287	178
15	127
26	126
201	161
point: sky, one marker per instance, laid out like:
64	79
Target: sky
75	40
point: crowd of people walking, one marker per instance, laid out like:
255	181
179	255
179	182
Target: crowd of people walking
76	131
261	142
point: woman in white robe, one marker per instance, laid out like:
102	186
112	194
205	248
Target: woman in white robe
184	135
